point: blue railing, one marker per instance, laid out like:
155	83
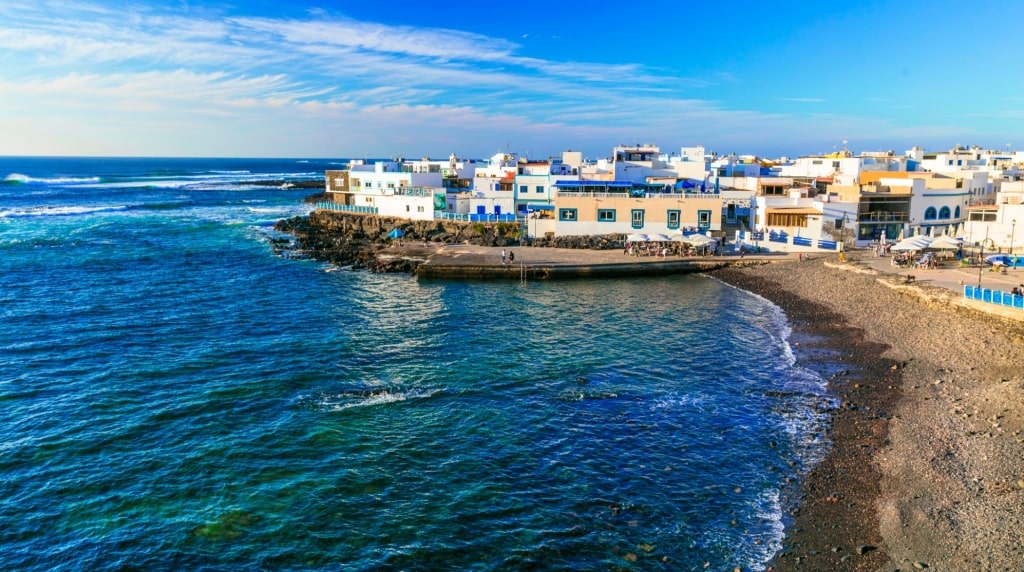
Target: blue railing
997	297
801	241
329	206
828	245
467	217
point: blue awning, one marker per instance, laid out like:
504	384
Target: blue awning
540	207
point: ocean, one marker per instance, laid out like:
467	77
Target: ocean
175	395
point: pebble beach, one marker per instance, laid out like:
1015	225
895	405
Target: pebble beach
925	467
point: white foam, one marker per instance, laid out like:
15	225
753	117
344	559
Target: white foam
20	178
58	211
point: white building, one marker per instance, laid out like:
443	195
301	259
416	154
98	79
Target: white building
388	188
996	225
841	168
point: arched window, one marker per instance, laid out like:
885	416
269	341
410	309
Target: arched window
929	213
956	213
944	212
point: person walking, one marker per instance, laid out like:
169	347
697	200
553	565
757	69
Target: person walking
511	257
503	256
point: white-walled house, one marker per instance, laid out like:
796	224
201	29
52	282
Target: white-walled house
790	223
1000	225
388	188
493	190
535	181
841	168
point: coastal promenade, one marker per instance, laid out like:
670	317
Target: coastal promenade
469	261
943	284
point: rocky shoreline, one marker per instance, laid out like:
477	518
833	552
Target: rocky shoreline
924	470
355	240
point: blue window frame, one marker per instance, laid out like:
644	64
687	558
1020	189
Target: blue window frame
605	215
704	219
522	189
929	213
637	217
673	218
540	188
956	213
944	212
567	215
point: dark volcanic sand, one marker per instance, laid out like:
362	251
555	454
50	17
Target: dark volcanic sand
926	464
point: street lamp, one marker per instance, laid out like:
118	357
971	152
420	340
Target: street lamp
1013	225
981	261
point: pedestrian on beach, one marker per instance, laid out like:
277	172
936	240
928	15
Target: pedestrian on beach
503	256
511	257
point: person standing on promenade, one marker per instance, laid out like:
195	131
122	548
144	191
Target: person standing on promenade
511	257
503	256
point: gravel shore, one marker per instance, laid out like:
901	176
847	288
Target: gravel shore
926	468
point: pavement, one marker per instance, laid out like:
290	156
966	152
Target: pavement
949	274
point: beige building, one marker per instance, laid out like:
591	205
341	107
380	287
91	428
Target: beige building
599	211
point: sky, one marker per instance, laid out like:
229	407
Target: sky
422	79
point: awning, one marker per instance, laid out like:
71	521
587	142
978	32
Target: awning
540	207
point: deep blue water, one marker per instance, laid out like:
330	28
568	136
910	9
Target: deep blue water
175	396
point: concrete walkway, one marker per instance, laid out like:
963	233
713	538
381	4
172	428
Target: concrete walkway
949	275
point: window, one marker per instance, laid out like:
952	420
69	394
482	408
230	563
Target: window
704	219
419	209
606	215
567	215
944	212
539	188
956	214
638	218
929	213
522	189
368	184
673	219
406	208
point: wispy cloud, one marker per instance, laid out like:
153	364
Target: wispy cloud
199	80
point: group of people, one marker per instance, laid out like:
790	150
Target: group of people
1018	290
511	257
644	249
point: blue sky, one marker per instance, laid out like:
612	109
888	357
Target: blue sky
347	79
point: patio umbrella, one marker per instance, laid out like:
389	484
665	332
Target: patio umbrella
396	233
636	238
658	237
945	242
699	240
919	242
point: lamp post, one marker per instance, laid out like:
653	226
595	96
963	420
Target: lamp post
981	258
1013	225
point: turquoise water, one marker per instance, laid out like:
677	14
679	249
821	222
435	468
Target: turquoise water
175	396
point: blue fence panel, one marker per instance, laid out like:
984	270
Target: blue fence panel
994	297
827	244
802	241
